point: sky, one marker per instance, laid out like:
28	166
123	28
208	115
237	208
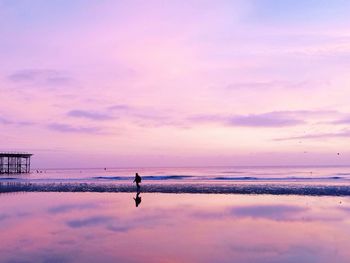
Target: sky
107	83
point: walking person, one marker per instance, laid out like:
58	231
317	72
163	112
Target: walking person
137	180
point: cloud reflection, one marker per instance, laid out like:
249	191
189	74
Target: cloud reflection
274	212
71	207
89	221
271	212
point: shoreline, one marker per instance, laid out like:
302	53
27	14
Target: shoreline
250	189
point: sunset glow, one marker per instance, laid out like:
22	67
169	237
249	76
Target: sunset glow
175	83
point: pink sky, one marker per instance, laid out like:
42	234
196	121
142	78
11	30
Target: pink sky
154	83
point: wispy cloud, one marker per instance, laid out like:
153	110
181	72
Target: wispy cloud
310	113
269	119
141	116
272	119
5	121
330	135
137	112
147	116
119	107
342	121
74	129
262	85
3	217
42	76
91	115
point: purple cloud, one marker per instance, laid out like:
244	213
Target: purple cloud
146	116
96	116
3	217
309	113
342	121
5	121
43	76
25	123
23	75
267	84
68	128
141	116
207	118
270	119
342	134
120	107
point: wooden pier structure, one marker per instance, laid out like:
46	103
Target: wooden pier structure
14	162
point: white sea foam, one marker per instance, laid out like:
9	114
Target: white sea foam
273	189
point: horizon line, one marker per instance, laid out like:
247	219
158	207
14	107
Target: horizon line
196	166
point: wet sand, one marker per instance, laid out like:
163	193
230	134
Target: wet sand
108	227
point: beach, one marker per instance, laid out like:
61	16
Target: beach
186	215
174	131
108	227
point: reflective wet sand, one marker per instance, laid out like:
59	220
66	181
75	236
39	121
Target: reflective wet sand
108	227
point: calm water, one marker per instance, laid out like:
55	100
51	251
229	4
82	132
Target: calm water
108	227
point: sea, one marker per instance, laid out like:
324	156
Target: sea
189	214
310	180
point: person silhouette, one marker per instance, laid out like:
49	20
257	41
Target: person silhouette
137	199
137	180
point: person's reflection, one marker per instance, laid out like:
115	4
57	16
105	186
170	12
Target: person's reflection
137	199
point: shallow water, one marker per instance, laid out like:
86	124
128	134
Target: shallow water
331	181
107	227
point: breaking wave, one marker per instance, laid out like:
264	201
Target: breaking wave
271	189
145	177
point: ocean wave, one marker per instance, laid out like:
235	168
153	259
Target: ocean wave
234	172
237	178
290	178
146	177
255	189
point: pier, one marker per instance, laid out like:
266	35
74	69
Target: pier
14	162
